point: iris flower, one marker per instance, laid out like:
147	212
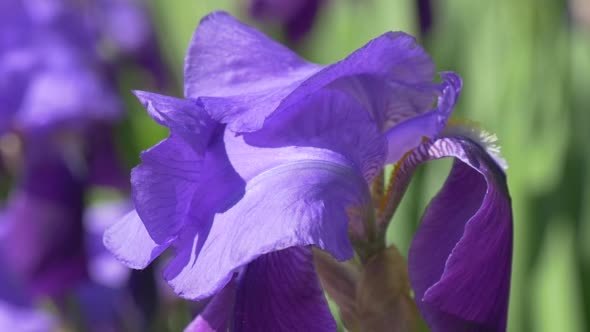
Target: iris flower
270	156
296	17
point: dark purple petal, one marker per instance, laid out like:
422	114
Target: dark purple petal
42	235
460	258
217	313
298	26
296	17
42	243
242	77
104	167
102	308
425	16
279	292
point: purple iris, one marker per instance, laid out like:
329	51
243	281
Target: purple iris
118	32
270	155
296	17
55	130
57	111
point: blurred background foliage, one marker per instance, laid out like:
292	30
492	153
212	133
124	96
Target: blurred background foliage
526	71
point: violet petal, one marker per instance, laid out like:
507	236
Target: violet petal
130	242
460	258
242	76
280	291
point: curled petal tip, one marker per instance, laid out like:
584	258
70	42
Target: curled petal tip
453	80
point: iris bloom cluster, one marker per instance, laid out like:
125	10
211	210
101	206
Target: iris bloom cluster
271	161
58	64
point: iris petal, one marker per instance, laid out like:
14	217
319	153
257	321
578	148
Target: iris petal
130	242
163	187
460	258
410	133
184	117
280	291
168	177
218	312
242	76
302	203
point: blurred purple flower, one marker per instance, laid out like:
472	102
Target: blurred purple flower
17	311
56	124
42	235
57	107
269	154
117	31
104	269
126	26
296	17
51	73
106	299
425	16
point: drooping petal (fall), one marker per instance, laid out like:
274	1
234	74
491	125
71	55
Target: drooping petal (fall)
218	313
280	291
460	258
